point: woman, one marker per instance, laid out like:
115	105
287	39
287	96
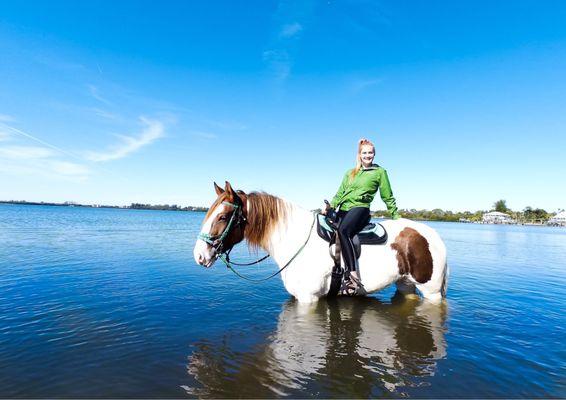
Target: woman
352	201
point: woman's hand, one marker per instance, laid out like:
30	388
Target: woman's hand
325	208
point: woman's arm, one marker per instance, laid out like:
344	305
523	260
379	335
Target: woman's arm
387	195
338	197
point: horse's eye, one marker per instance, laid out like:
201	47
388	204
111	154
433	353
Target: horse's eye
222	218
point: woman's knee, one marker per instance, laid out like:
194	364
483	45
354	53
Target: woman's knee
346	230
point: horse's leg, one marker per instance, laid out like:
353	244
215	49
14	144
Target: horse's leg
406	287
435	289
432	296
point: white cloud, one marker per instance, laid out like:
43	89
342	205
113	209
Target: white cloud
205	135
25	152
362	84
106	114
69	168
289	19
39	161
35	139
47	169
6	118
290	30
43	160
279	63
94	92
4	135
153	130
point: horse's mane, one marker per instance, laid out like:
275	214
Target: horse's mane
264	212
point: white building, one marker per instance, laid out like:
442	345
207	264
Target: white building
558	220
496	217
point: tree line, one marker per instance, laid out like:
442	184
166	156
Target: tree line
166	207
527	215
135	206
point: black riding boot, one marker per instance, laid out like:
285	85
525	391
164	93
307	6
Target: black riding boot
351	222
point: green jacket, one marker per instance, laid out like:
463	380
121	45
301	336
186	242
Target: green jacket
360	191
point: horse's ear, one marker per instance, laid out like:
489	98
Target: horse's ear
231	192
218	189
228	188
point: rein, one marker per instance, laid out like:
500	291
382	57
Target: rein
243	264
229	264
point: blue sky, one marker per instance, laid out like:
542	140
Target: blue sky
121	102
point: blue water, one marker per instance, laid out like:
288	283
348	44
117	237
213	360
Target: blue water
109	303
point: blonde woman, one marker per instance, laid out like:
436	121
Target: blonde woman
352	202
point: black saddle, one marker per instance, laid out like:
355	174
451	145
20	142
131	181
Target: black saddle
372	234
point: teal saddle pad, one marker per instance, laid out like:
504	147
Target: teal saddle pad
373	233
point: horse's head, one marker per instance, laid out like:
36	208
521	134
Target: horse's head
223	225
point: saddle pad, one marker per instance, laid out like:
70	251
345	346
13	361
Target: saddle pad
324	223
375	228
373	233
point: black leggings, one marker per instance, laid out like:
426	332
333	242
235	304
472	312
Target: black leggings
351	222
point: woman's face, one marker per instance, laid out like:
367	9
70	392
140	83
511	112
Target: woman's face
367	153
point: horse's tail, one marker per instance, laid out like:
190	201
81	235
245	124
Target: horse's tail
444	287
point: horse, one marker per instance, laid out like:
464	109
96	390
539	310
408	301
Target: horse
413	257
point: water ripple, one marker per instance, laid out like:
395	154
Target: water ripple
109	303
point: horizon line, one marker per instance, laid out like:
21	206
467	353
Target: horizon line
97	205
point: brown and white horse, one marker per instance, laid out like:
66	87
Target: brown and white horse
413	256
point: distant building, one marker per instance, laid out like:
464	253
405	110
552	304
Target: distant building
496	217
558	220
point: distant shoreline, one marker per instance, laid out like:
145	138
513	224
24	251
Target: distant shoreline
436	215
133	206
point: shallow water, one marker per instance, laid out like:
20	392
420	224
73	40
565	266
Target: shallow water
109	303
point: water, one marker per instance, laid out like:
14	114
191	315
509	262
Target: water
109	303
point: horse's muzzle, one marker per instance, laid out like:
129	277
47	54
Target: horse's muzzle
204	254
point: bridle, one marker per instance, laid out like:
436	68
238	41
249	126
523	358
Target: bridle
217	242
238	218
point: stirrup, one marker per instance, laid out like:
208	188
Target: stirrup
348	288
351	287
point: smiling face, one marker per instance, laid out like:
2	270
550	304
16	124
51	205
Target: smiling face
367	154
215	224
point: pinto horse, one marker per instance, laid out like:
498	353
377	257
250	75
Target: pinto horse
414	255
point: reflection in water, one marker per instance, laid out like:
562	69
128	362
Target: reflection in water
338	348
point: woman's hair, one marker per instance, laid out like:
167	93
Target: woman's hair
361	142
